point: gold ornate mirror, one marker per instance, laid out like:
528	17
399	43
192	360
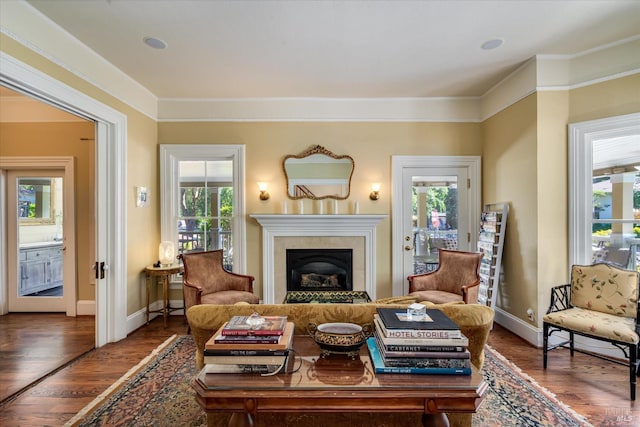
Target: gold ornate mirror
318	174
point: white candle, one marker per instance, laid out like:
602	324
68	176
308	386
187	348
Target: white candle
356	207
335	206
284	207
320	207
300	207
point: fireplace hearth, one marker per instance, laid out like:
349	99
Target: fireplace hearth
319	269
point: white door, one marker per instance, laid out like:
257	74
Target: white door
40	269
437	204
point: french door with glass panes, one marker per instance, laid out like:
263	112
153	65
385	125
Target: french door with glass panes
37	241
435	206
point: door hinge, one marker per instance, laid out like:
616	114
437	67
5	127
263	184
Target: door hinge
468	237
468	182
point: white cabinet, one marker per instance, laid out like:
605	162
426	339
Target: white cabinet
40	268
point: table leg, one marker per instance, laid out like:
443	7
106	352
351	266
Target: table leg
241	419
148	280
435	420
165	294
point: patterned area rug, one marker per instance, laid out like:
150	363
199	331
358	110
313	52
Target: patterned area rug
157	392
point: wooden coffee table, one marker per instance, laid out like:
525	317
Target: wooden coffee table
337	384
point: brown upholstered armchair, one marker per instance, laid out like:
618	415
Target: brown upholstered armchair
205	281
456	279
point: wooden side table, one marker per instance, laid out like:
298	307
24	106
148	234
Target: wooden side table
162	274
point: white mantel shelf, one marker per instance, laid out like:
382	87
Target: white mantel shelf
322	221
300	225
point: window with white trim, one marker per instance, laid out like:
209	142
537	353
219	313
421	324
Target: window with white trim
604	191
202	200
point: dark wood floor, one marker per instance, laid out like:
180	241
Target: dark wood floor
594	388
32	345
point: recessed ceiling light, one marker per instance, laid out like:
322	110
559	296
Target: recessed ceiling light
154	43
492	44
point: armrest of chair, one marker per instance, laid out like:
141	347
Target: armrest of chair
240	282
560	298
423	282
192	294
470	292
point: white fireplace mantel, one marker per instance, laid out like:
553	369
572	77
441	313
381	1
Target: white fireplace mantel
274	225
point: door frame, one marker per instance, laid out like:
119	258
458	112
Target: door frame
66	165
398	164
111	168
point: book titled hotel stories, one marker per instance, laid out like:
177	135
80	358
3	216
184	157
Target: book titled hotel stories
430	342
271	325
435	324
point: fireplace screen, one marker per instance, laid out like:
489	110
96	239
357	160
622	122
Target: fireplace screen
319	269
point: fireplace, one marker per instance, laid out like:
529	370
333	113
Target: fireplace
319	269
283	232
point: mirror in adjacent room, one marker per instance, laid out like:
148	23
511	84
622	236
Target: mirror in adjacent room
37	200
318	174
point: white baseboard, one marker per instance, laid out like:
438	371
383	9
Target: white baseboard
85	308
534	336
139	318
524	330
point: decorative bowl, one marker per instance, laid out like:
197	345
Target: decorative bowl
339	338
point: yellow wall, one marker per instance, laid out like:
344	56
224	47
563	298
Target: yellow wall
612	98
370	144
509	174
63	139
552	195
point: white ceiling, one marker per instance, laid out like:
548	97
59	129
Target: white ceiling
335	49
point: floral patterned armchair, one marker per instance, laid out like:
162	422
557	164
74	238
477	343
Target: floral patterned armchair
600	303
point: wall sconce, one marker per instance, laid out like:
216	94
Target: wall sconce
166	253
263	191
375	191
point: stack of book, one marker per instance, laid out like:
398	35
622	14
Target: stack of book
433	345
242	346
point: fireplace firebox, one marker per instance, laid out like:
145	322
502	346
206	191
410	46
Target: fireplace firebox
319	269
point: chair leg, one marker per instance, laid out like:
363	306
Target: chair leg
633	358
571	336
545	344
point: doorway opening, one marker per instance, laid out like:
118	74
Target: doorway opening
110	194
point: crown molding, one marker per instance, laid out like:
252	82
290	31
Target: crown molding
462	109
26	25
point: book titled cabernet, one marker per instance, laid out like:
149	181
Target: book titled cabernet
380	367
271	325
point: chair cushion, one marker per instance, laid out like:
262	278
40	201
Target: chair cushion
595	323
603	288
230	297
437	297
